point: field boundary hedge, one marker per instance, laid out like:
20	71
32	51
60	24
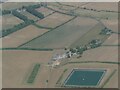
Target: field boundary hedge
34	49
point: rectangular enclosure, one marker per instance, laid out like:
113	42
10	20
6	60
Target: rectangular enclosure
84	78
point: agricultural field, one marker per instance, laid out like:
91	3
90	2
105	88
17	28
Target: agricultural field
97	14
54	20
61	8
93	33
103	6
44	11
19	67
9	21
74	45
65	35
22	36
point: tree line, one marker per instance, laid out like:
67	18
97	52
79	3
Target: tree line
34	12
4	12
19	15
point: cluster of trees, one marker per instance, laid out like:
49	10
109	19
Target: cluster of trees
78	50
35	6
34	12
90	9
4	12
95	43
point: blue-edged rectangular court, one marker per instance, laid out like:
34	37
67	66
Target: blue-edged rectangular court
84	78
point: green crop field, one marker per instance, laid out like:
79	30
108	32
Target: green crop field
33	73
64	35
